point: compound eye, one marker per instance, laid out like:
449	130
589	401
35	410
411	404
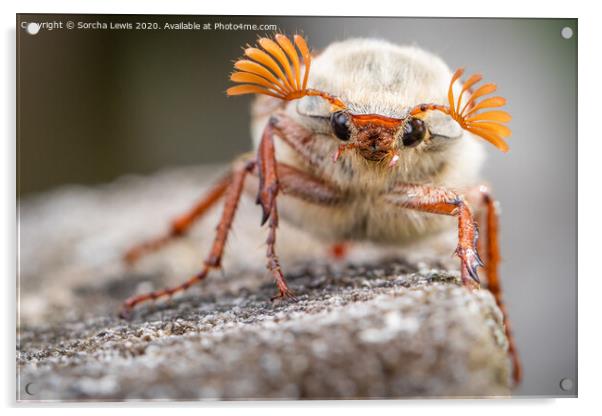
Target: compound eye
340	125
414	132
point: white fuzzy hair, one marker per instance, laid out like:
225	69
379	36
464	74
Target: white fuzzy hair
375	77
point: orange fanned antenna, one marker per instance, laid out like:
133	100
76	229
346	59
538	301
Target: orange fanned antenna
275	70
488	124
278	69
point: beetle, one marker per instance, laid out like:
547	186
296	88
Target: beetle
365	141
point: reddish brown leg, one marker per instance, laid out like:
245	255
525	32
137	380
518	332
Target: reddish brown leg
298	184
233	195
295	135
339	250
443	201
493	258
294	182
274	177
299	138
269	186
182	224
273	263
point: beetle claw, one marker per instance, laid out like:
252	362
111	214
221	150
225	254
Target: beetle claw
284	295
470	261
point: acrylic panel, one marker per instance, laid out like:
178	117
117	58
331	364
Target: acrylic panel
417	246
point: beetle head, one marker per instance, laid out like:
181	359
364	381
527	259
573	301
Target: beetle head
276	71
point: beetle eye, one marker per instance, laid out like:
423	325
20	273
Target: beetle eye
340	125
414	132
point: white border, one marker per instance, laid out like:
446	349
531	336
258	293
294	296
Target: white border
590	290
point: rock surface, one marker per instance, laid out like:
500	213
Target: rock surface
386	323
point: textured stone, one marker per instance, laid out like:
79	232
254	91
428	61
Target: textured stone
386	323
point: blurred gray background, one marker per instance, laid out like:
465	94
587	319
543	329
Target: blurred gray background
97	104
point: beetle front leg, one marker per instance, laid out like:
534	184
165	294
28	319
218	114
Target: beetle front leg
443	201
483	201
269	186
298	138
274	177
297	184
273	263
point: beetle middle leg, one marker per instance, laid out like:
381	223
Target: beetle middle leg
233	195
183	223
483	198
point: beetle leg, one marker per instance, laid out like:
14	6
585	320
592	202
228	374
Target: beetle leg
338	251
273	263
213	261
483	197
266	197
183	223
443	201
274	176
269	186
298	184
291	133
265	166
297	137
